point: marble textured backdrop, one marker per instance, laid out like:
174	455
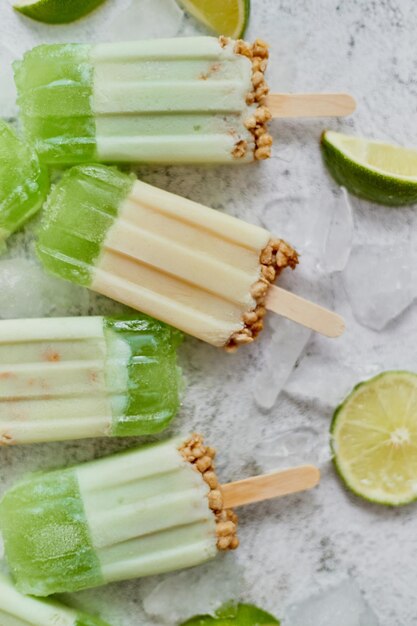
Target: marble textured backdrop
301	544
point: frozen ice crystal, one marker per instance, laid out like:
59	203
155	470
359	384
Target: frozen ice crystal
284	349
326	380
145	19
8	105
339	237
26	291
291	217
194	592
293	447
343	605
380	282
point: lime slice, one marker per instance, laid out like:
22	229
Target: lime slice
374	439
235	615
374	170
225	17
56	11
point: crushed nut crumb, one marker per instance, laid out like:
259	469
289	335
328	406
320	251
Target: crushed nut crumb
258	54
6	440
275	257
201	458
240	149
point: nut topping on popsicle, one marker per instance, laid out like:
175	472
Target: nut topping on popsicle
257	123
277	255
202	459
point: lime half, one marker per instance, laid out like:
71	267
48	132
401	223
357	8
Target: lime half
374	439
56	11
235	615
225	17
374	170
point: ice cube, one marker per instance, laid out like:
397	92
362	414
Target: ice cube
145	19
197	591
343	605
327	380
380	282
284	349
339	237
26	291
291	218
8	95
293	447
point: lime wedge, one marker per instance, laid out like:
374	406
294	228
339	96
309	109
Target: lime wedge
376	171
56	11
224	17
374	439
235	615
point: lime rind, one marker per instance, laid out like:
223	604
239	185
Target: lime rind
56	11
374	496
204	17
363	179
235	615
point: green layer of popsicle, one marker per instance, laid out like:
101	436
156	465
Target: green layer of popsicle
54	84
23	182
70	378
50	549
19	610
78	213
154	380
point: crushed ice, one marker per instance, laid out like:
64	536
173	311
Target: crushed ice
198	591
285	347
146	19
339	238
27	291
343	605
380	282
7	86
293	447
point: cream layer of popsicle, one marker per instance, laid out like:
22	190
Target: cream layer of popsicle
183	100
69	378
17	609
198	269
144	511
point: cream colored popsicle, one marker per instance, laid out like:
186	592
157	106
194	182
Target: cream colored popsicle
70	378
202	271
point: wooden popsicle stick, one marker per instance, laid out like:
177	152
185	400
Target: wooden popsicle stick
273	485
304	312
310	104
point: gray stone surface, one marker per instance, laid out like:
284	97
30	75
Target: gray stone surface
298	545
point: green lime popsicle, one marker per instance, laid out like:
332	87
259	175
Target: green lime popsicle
23	182
183	100
144	511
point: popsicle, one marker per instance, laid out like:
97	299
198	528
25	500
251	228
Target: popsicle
17	609
204	272
69	378
183	100
144	511
23	182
